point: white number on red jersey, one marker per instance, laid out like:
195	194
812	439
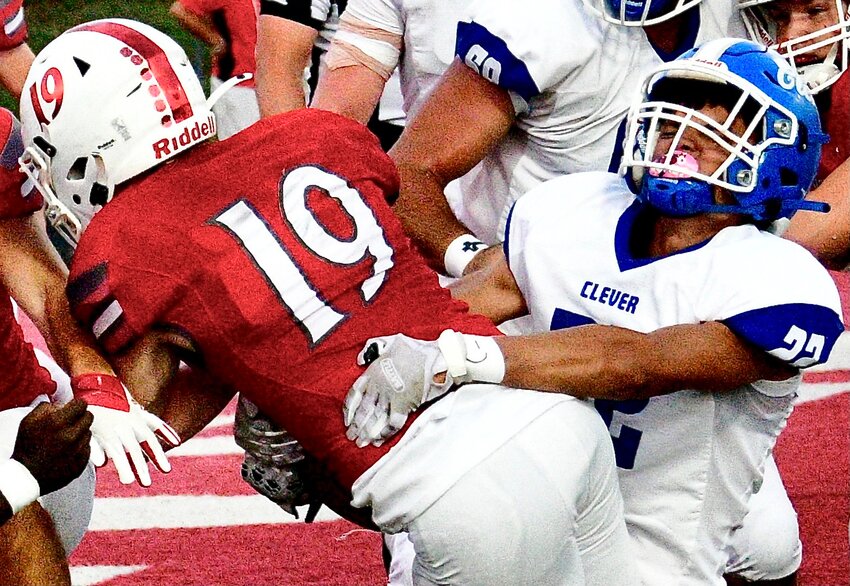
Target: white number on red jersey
279	265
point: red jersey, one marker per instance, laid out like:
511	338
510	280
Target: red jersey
14	25
834	106
276	252
22	379
236	22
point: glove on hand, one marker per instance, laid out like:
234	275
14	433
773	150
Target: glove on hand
122	430
404	373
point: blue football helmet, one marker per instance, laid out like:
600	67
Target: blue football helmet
638	12
770	166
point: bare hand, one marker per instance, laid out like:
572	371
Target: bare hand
53	443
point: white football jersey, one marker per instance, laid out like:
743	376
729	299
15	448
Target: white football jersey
688	460
572	77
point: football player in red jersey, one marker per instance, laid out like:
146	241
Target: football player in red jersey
815	36
271	282
33	547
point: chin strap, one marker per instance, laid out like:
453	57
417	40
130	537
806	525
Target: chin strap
818	76
686	197
226	86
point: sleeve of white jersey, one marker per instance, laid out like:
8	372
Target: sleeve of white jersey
776	296
381	14
370	33
526	47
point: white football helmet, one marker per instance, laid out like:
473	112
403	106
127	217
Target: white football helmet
817	75
102	103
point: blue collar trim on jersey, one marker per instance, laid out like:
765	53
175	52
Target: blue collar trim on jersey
505	243
691	22
623	237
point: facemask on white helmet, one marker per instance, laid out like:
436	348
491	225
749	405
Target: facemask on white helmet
102	103
762	19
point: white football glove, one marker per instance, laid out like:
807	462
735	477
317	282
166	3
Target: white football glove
404	373
122	430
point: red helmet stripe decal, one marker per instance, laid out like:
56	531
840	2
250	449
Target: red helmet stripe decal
159	65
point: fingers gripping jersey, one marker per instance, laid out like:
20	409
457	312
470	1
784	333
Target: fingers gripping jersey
22	379
279	272
687	461
14	25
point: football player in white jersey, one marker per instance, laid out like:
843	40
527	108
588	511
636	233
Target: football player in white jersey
524	103
536	90
694	330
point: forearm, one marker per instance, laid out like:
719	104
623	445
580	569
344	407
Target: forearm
609	362
461	121
827	236
191	401
200	27
490	288
584	362
425	213
283	53
185	397
36	277
351	91
14	66
73	348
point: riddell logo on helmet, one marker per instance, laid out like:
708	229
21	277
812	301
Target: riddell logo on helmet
712	63
165	147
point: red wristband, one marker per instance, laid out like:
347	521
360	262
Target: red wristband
100	390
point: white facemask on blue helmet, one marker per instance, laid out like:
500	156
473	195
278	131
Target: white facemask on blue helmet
769	167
